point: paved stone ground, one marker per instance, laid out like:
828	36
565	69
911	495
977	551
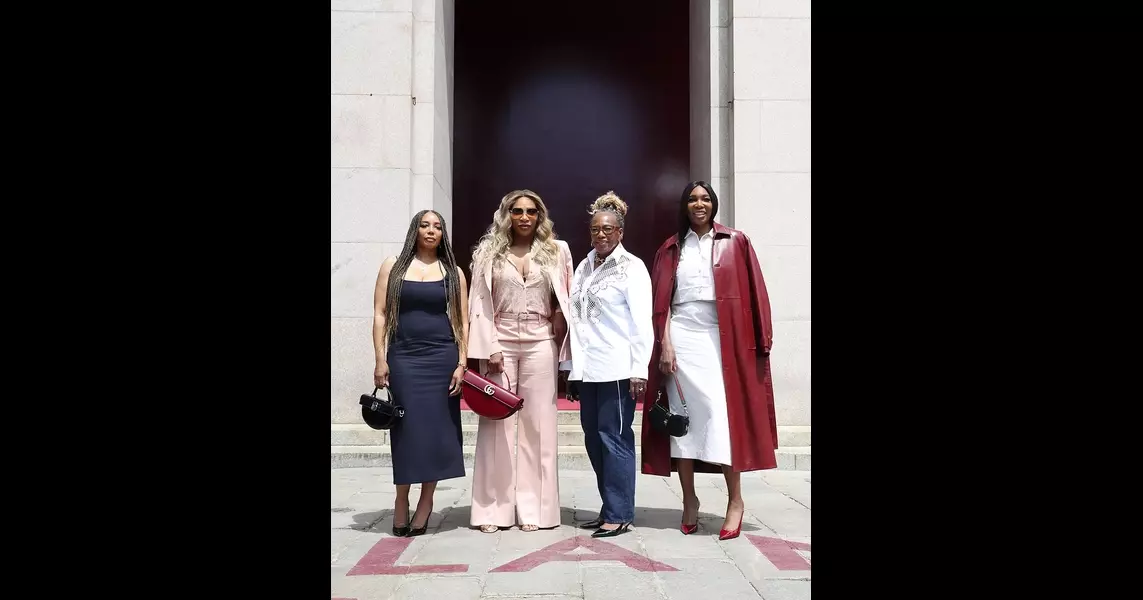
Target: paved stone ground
653	561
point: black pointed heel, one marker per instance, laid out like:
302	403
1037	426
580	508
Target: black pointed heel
596	524
602	533
400	530
415	531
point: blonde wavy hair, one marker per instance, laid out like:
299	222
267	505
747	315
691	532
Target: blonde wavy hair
611	203
498	237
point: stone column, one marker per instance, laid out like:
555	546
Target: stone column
711	93
390	157
771	166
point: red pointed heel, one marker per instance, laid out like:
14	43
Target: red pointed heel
730	534
689	529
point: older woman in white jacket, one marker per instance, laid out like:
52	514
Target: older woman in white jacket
611	339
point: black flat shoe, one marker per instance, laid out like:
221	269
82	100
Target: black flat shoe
596	524
601	532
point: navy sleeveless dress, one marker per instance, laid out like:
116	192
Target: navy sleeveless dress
422	355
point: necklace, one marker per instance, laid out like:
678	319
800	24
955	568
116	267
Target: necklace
522	267
422	267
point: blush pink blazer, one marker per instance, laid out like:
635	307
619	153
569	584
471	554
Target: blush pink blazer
482	342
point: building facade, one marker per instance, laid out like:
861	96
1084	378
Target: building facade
401	141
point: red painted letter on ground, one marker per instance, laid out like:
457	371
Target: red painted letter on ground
781	552
382	560
558	552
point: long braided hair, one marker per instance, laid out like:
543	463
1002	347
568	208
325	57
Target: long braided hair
401	266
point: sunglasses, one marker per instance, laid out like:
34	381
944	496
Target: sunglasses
531	211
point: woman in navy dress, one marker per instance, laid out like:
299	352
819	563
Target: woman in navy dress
420	324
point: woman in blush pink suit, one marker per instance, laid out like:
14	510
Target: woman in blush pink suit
519	292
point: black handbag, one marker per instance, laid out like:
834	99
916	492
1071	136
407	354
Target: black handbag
662	419
380	413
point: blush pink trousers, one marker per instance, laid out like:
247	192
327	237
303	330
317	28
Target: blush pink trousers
515	476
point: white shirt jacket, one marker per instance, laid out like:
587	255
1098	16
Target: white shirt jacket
610	320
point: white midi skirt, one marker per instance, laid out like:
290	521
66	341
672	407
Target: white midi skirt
699	359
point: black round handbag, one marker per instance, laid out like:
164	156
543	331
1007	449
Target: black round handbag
380	413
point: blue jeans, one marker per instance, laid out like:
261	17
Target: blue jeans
606	414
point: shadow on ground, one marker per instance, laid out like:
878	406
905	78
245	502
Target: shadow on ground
659	518
381	521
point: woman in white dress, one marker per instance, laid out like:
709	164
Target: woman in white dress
712	323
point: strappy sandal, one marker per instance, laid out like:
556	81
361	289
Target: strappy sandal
489	528
529	527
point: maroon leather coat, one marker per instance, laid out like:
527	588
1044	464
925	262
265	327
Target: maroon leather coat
746	336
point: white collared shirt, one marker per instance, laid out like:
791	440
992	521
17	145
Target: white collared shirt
610	320
695	276
693	305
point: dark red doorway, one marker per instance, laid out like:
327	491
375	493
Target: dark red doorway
571	100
